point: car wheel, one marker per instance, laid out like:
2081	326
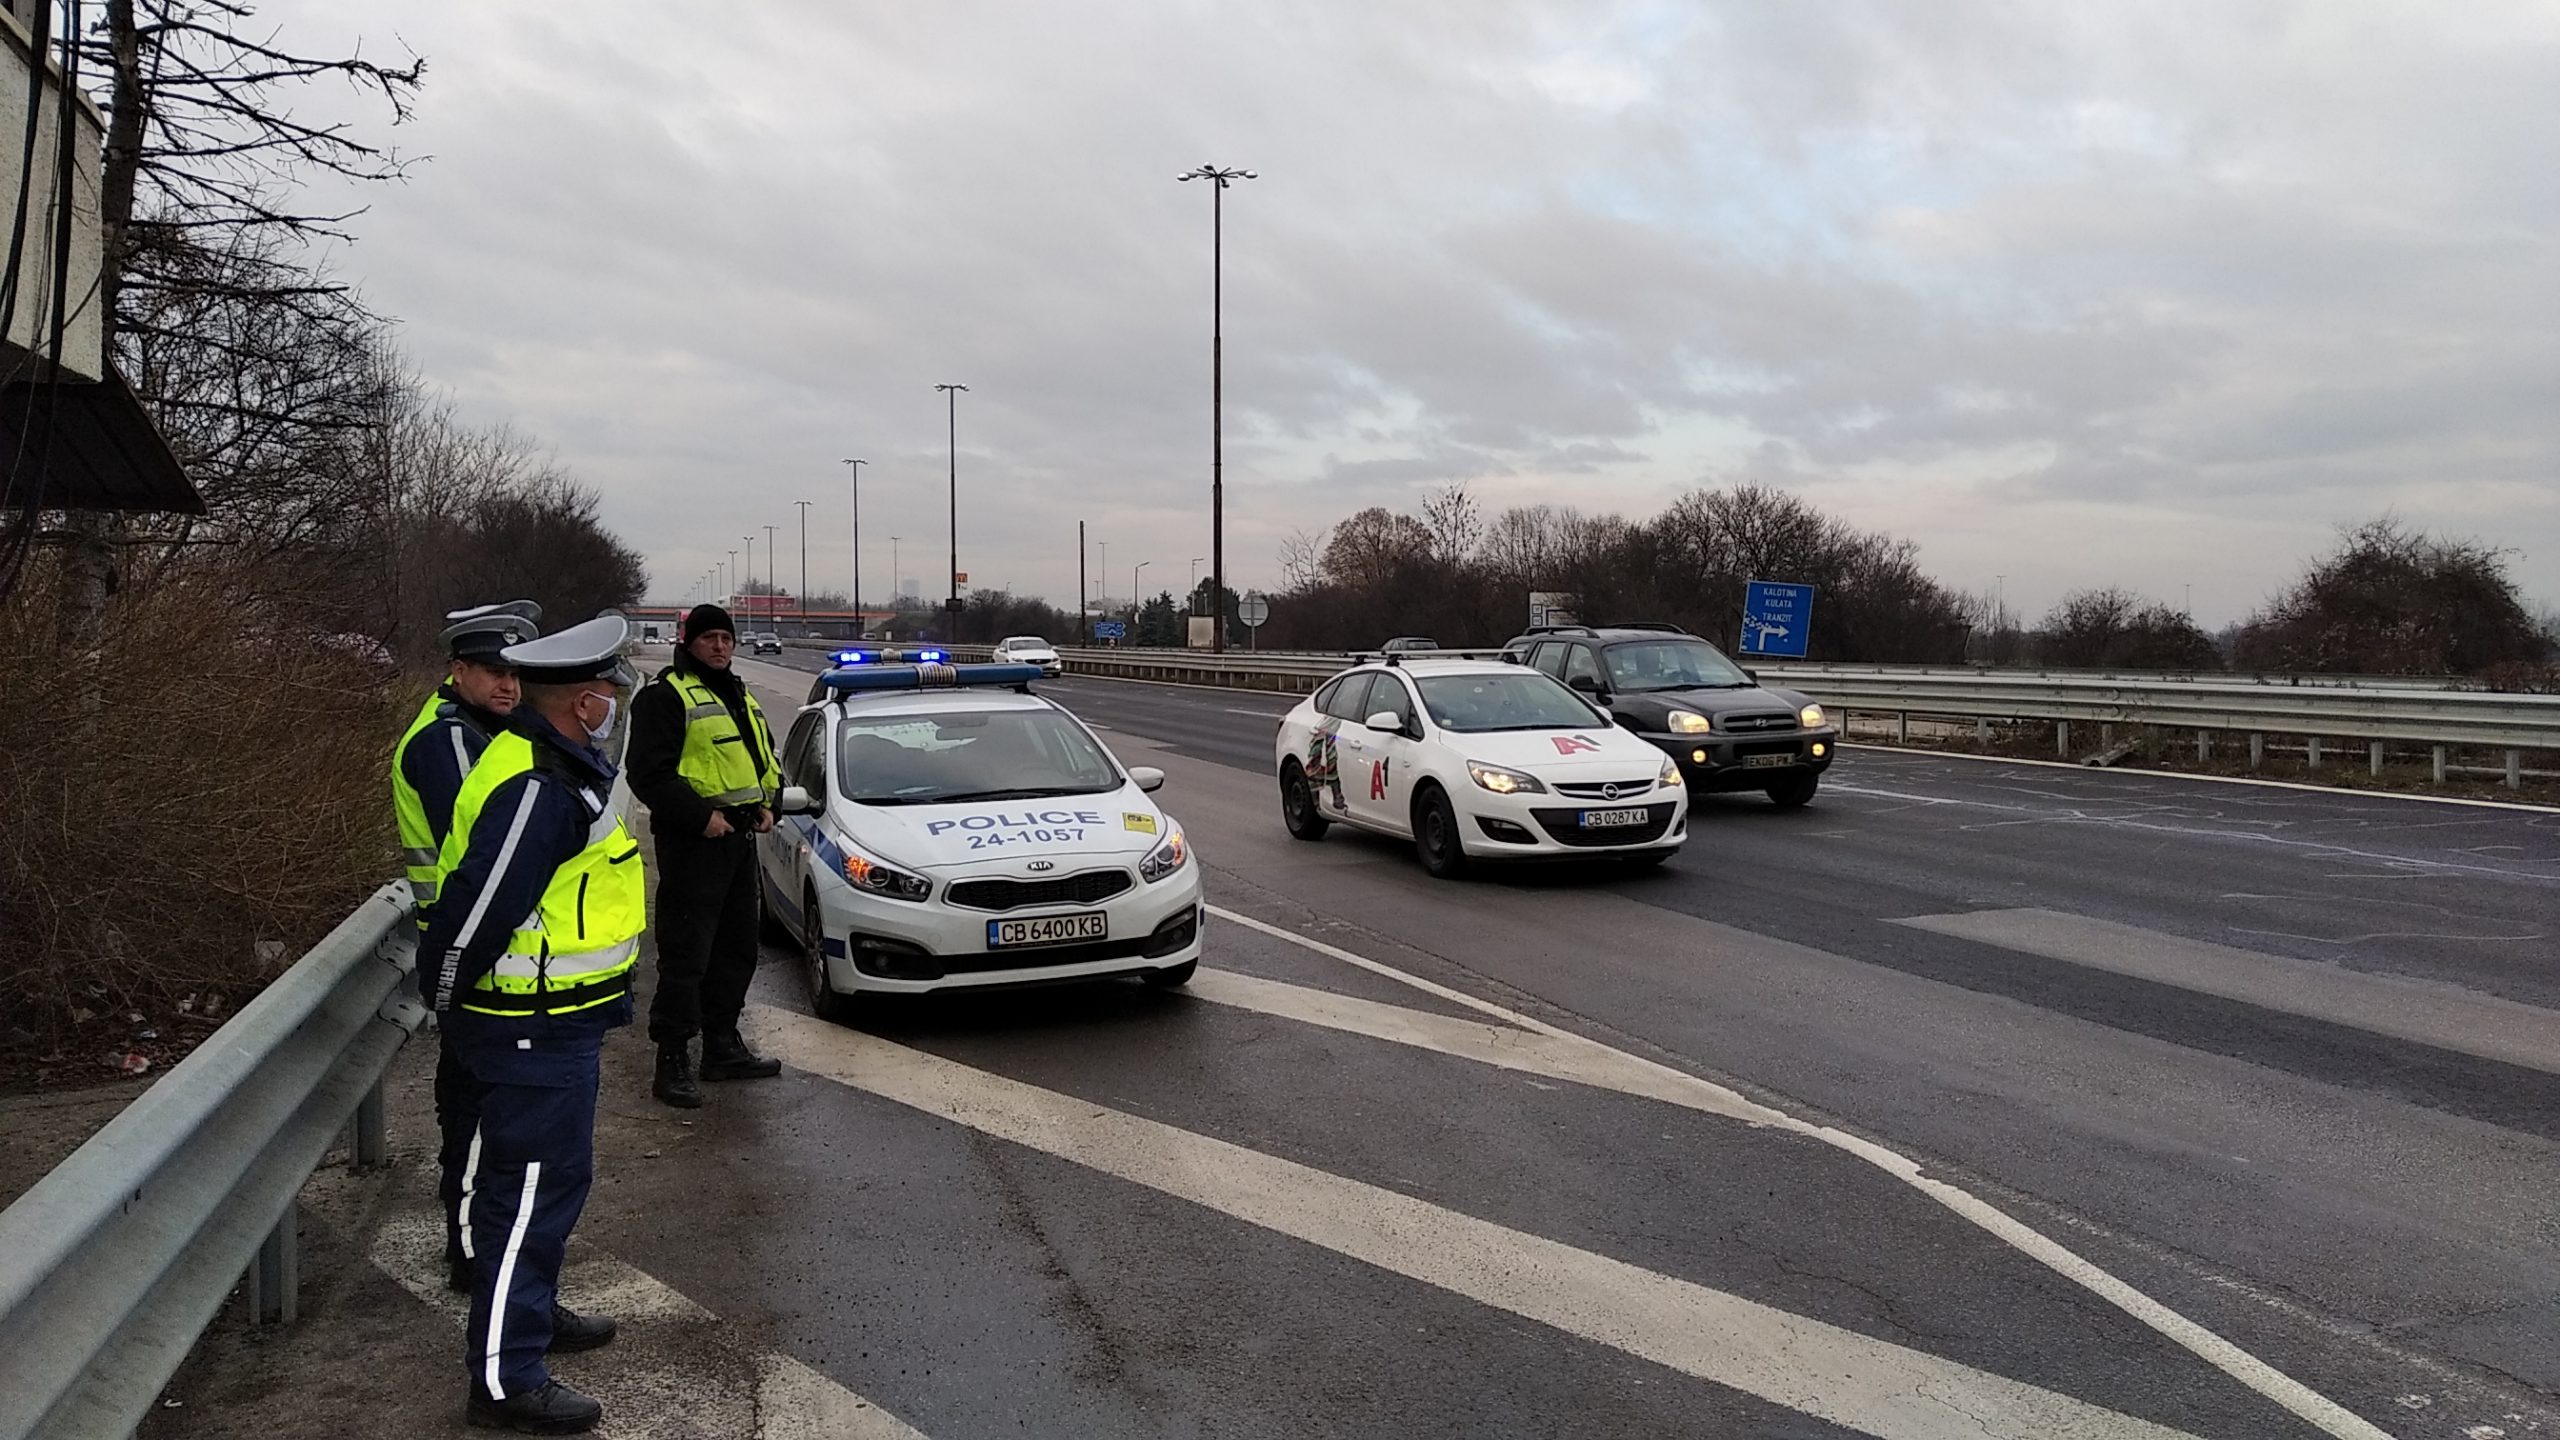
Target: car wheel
1795	791
1298	804
1435	835
1171	975
825	1000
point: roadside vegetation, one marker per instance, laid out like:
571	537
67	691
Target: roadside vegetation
201	708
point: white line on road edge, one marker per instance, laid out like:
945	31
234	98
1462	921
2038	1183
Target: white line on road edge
791	1401
1857	1381
1686	1089
2093	771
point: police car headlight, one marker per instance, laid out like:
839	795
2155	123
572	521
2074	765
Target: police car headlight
873	878
1810	716
1690	722
1503	782
1670	775
1165	858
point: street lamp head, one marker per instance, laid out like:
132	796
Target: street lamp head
950	387
853	462
1222	175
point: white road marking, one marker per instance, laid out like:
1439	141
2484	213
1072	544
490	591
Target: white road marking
792	1401
2091	772
2440	1015
1685	1089
1853	1380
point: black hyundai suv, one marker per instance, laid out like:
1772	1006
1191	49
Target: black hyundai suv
1728	731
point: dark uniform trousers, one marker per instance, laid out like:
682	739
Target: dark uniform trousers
533	1159
458	1097
707	941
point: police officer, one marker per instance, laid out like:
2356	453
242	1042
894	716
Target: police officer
526	962
427	768
702	761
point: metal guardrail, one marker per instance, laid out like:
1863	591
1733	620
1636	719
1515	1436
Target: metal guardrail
114	1264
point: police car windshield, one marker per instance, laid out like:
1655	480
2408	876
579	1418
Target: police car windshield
1671	665
1509	700
941	759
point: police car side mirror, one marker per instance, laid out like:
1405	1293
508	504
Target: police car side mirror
1147	778
1387	722
797	801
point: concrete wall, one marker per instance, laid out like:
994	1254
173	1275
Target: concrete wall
30	326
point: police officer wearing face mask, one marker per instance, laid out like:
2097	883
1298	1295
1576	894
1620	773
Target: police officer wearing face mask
427	769
527	963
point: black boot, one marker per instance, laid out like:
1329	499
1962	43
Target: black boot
457	1275
555	1409
571	1331
725	1056
675	1077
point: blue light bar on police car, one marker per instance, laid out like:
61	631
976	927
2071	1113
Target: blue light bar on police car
926	677
932	657
852	657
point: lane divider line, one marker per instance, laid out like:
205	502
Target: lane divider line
1857	1381
2311	1406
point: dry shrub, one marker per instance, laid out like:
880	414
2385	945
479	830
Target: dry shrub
220	809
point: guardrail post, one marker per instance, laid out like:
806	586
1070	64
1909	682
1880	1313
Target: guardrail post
2515	769
2204	747
2376	751
2257	751
276	1275
1982	730
373	1148
1901	727
2311	752
2062	738
2439	764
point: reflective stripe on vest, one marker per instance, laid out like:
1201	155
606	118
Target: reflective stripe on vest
575	950
717	761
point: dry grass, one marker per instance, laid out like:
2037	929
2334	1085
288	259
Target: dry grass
165	852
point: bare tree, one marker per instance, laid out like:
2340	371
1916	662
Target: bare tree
1301	559
1455	522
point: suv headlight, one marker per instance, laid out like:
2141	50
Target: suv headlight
1165	858
1690	722
1503	782
1809	717
873	878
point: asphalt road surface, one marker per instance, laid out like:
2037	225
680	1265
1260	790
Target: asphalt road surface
1978	1098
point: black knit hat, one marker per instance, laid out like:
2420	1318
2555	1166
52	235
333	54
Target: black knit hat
704	618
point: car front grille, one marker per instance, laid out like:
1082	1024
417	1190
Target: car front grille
1597	790
1746	724
1083	888
1565	827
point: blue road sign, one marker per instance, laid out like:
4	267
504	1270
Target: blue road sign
1776	619
1109	630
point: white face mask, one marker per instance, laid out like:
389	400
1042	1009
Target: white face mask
602	730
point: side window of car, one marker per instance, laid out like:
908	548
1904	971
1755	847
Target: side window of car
804	760
1388	693
1351	692
1581	664
1549	656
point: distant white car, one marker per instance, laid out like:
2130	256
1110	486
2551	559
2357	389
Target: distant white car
943	828
1475	760
1029	650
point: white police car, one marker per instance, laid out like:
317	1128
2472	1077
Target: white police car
946	828
1475	760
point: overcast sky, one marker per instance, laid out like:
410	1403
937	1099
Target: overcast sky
2149	295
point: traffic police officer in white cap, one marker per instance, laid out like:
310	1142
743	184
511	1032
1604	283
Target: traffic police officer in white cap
427	768
527	963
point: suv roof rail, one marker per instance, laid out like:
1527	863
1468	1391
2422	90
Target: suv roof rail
1649	625
1557	630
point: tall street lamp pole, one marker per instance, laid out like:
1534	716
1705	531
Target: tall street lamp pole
1137	607
857	547
893	569
770	566
951	394
1219	179
748	575
1084	610
804	565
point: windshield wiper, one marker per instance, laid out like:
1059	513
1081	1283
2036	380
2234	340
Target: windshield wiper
1044	792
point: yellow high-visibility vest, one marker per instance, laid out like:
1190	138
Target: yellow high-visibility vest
574	952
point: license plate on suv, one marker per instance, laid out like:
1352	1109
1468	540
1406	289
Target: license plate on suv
1766	762
1600	819
1047	930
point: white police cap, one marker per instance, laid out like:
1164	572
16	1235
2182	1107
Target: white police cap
480	632
591	650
